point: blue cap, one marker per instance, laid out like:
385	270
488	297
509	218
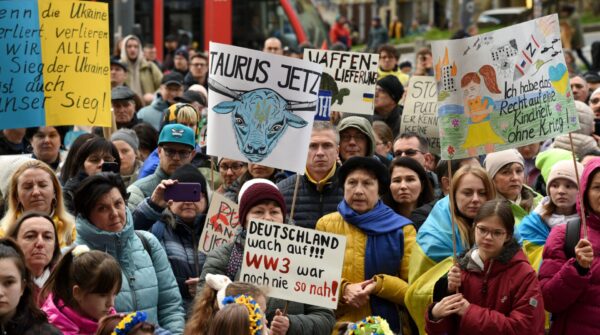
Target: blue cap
177	133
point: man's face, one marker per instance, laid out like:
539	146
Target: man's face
117	75
150	53
387	61
181	63
171	91
580	88
133	49
383	101
410	147
353	143
171	45
199	67
174	155
123	110
273	46
322	152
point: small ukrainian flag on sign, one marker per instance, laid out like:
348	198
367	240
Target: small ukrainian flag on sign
368	97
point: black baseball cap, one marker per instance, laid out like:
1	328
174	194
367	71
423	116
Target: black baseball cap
172	78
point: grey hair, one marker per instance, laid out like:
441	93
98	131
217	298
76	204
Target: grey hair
326	125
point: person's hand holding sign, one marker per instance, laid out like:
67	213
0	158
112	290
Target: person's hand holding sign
280	324
584	253
454	279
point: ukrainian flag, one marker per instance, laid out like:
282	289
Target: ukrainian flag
368	97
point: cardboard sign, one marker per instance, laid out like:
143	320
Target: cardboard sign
420	110
261	106
296	264
221	225
503	89
55	63
348	81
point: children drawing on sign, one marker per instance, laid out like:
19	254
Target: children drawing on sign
478	109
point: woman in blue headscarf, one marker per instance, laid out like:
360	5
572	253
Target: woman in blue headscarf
378	245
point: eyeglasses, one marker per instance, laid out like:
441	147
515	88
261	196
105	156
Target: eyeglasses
183	154
235	167
496	233
407	152
94	159
356	137
199	64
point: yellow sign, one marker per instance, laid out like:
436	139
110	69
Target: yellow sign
75	54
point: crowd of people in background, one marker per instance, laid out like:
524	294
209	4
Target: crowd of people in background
91	245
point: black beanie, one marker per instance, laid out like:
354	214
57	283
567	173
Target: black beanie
392	86
189	174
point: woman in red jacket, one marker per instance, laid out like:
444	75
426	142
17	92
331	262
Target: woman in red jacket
499	291
570	279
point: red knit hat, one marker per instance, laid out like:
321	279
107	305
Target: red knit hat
259	190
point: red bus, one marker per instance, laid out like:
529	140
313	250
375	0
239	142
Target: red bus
245	23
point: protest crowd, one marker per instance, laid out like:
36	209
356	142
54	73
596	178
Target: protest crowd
104	230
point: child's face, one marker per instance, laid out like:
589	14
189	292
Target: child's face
95	305
471	90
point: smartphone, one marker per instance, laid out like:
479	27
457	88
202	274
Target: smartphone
111	167
597	126
183	192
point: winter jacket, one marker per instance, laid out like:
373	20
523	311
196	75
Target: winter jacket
313	201
148	281
180	241
420	214
505	297
149	75
304	318
571	293
9	148
130	179
69	321
154	114
340	34
391	287
143	188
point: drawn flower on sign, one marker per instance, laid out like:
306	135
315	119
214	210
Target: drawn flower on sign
568	94
455	123
573	119
558	107
451	151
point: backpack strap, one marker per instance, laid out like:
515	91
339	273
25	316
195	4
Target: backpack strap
145	242
158	230
572	237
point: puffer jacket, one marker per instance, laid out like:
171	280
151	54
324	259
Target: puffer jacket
571	293
313	201
505	297
148	281
67	320
180	241
389	287
304	318
143	188
155	113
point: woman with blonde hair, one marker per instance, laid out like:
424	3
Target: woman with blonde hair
35	186
432	256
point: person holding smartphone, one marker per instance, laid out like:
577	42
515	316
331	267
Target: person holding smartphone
94	156
176	212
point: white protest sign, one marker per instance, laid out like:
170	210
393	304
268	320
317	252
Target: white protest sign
222	223
261	106
296	264
348	81
420	110
503	89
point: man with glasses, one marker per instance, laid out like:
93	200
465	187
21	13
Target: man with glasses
230	170
176	144
198	71
318	191
357	139
415	146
